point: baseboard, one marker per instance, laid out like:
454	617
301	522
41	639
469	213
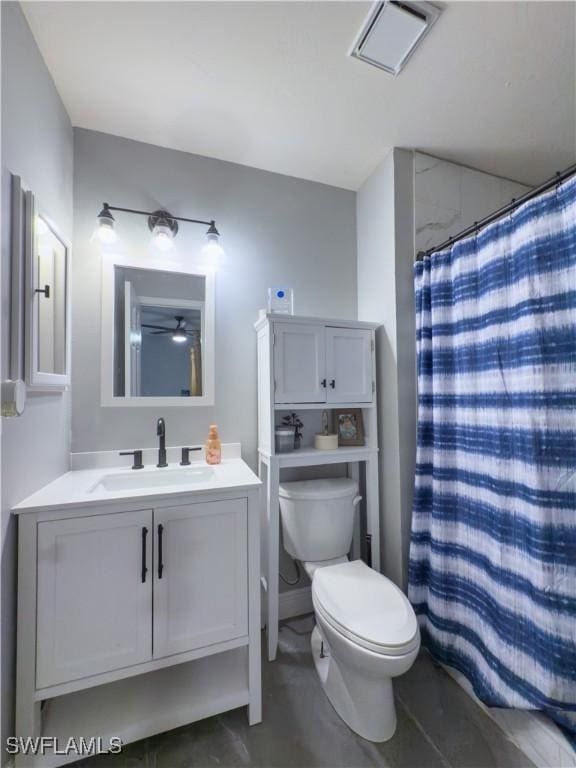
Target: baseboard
295	602
532	732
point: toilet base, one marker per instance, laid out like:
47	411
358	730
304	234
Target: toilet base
365	704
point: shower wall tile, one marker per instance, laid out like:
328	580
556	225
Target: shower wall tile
510	189
437	182
480	195
448	198
434	224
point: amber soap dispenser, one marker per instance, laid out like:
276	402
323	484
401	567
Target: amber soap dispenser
213	446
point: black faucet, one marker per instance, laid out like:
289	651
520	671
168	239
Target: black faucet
161	432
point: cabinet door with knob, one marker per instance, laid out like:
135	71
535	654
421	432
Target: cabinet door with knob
200	575
299	363
349	365
94	595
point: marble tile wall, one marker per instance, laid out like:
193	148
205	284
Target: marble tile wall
448	198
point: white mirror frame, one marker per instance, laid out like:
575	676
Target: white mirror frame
108	399
36	379
18	269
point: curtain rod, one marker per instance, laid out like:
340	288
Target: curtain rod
558	178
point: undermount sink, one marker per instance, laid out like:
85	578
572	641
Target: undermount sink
160	478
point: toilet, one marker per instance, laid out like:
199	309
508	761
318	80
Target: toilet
366	631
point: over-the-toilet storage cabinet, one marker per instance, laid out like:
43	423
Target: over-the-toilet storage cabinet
307	365
137	620
322	364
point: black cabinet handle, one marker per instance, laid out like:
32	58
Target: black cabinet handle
45	291
144	568
160	563
323	383
333	383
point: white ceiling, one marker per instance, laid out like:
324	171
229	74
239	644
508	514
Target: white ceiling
270	85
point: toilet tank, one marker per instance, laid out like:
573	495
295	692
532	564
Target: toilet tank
318	517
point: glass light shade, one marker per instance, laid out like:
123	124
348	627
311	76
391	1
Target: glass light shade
162	237
105	231
212	249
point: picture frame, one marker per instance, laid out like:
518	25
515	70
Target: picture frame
349	425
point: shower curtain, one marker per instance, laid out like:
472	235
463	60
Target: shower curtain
493	547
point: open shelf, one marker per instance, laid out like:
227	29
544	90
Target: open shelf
319	406
139	707
306	457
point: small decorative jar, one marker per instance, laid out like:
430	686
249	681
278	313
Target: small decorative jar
284	439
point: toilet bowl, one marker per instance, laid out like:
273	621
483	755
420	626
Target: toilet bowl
366	634
366	631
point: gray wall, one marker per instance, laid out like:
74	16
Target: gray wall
276	230
385	234
37	144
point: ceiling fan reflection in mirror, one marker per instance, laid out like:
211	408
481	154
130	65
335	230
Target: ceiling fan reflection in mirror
179	333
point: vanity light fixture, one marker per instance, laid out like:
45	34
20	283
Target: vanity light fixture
164	227
105	231
212	248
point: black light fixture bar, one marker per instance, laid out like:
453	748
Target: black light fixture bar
162	224
155	213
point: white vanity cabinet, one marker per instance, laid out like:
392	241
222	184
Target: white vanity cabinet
94	603
316	363
138	615
201	576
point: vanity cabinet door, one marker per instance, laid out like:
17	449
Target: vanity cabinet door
94	595
201	575
299	363
349	365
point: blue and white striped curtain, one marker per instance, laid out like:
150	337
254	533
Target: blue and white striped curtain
493	546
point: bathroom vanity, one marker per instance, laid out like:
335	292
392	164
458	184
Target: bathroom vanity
138	602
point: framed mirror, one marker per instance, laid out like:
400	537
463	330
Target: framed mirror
47	337
157	334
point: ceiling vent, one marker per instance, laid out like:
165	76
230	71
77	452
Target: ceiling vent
391	33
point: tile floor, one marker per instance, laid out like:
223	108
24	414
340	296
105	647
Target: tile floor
439	726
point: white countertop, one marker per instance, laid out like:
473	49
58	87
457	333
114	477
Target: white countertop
81	488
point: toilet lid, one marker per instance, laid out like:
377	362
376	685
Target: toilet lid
365	606
322	489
